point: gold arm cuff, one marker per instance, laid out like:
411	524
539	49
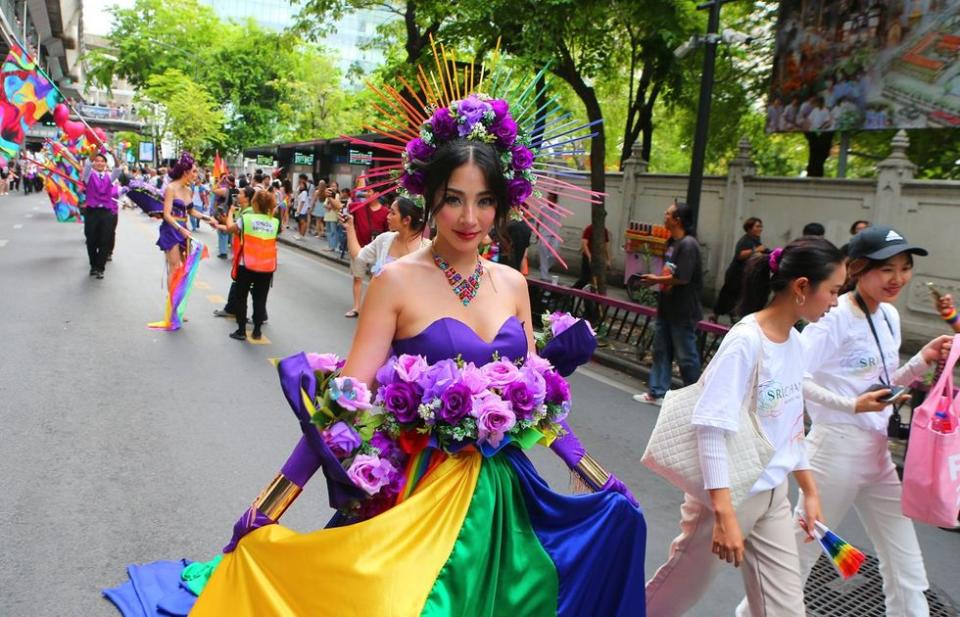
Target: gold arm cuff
277	497
591	471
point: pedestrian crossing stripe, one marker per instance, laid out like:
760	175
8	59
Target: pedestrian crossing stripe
263	339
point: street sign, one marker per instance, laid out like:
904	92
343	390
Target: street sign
146	151
302	158
265	159
360	158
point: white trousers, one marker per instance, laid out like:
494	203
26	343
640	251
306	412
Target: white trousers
546	257
771	570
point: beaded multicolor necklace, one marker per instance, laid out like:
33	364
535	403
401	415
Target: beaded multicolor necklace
465	288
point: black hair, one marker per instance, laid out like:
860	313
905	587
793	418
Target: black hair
451	156
853	228
100	155
810	257
684	214
249	192
749	223
409	208
813	229
858	267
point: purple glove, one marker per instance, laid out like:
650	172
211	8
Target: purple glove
251	519
614	484
568	447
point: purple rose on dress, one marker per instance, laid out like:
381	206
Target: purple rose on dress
444	125
494	420
518	190
474	378
324	362
341	439
558	390
415	183
370	473
501	373
500	108
402	400
411	368
437	378
457	402
350	394
522	157
520	399
470	111
419	150
386	375
387	447
506	131
537	363
533	379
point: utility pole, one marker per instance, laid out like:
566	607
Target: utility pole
695	183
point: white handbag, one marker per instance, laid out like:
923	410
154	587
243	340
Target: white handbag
673	453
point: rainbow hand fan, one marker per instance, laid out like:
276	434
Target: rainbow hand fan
845	557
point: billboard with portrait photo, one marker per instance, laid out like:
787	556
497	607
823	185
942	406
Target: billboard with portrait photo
844	65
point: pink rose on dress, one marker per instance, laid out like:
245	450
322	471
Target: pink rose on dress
370	473
501	373
341	439
537	363
474	378
494	420
350	394
324	362
411	368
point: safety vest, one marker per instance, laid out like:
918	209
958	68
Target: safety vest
259	242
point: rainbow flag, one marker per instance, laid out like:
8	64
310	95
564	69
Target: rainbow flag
219	167
845	557
27	96
181	284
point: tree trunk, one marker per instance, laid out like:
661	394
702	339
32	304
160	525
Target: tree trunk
819	145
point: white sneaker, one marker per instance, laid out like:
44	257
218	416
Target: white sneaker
647	398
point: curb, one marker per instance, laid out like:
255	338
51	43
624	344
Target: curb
302	246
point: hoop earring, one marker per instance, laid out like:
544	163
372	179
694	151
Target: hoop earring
800	300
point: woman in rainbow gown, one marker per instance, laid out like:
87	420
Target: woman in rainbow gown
471	532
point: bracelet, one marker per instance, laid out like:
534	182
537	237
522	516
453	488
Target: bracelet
951	317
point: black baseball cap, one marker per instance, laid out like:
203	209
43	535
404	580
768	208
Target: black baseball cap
880	243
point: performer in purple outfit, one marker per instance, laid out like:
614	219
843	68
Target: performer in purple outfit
177	204
99	212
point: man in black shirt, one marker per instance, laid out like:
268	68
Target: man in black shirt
678	308
518	234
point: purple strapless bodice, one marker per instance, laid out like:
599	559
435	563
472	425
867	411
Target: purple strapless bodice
448	337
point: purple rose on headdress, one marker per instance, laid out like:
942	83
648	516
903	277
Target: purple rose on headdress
324	362
520	399
558	390
457	402
518	190
402	400
419	150
522	158
341	439
350	394
500	108
444	125
415	183
437	378
501	373
474	378
494	420
506	131
411	368
370	473
470	111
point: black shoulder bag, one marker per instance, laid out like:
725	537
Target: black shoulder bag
895	427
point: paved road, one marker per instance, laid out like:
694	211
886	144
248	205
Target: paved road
119	444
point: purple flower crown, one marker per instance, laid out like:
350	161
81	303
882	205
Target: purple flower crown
479	118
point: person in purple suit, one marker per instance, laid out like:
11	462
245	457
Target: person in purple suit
99	212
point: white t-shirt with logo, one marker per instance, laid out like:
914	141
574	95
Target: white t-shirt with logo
727	382
842	356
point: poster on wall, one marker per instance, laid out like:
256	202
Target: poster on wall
146	152
843	65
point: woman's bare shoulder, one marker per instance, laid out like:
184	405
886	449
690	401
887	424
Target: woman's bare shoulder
508	275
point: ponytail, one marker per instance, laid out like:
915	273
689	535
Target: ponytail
809	257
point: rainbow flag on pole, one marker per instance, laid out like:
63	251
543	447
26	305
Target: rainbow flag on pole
27	96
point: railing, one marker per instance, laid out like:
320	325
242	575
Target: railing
625	328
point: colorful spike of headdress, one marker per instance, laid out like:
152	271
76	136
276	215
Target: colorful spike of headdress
529	130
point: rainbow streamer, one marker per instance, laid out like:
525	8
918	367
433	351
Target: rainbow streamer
846	558
181	283
27	96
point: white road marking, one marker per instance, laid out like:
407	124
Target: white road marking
605	380
36	208
3	243
18	226
29	216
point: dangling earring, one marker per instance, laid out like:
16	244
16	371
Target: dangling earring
800	300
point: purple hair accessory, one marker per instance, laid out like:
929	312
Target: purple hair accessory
774	260
182	166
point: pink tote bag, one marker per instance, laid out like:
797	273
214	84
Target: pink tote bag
931	475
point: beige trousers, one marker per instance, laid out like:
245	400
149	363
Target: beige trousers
771	568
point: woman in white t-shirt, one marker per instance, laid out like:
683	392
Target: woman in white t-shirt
405	223
805	278
847	445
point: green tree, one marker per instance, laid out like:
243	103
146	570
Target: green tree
186	111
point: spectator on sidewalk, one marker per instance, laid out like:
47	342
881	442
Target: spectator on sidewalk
514	251
302	205
678	306
330	199
586	258
405	221
223	197
746	247
548	244
369	221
